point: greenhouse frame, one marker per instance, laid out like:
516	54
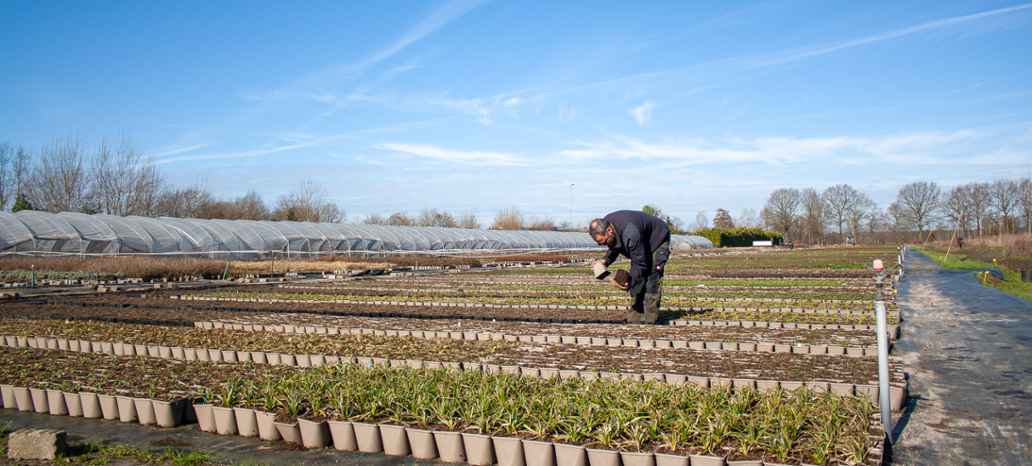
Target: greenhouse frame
68	233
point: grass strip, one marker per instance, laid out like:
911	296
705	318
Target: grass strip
1011	283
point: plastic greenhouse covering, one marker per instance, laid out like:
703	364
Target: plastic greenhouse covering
75	233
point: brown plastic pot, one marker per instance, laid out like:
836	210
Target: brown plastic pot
598	457
55	403
303	360
90	404
666	459
126	409
214	355
509	451
570	455
289	432
229	356
108	407
144	411
266	426
314	434
168	413
73	403
178	353
479	449
707	460
39	400
273	358
539	452
629	458
258	357
8	396
422	443
243	356
225	421
395	442
343	435
22	399
368	437
205	417
246	422
449	446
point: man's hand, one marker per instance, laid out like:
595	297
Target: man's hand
618	284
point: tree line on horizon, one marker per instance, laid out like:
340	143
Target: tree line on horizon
65	176
118	180
842	212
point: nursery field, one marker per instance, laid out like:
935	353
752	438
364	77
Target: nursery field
761	357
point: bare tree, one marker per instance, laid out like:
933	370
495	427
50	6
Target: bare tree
1026	203
436	218
782	210
375	219
722	219
748	218
508	219
812	222
862	208
1005	198
400	219
183	202
839	202
59	180
469	220
957	207
250	206
899	219
919	202
980	200
6	175
701	220
307	204
542	224
123	182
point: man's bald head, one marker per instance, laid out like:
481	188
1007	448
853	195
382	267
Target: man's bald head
602	232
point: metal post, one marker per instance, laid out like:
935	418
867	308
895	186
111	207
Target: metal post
884	400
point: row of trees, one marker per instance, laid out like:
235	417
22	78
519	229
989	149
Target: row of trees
842	211
118	180
64	176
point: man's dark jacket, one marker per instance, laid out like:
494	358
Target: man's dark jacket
638	235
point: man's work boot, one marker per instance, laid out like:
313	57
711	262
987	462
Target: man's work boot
651	314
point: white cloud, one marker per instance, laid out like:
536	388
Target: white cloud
512	101
642	113
453	155
476	106
810	52
174	150
918	147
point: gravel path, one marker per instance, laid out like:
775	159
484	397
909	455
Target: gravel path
967	348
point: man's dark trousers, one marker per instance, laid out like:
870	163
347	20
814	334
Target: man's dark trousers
648	291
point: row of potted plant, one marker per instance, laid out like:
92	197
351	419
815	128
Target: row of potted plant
151	392
611	341
484	418
528	369
234	346
396	288
519	299
857	314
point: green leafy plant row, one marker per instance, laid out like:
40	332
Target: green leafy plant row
783	426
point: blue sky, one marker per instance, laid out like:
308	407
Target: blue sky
467	105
